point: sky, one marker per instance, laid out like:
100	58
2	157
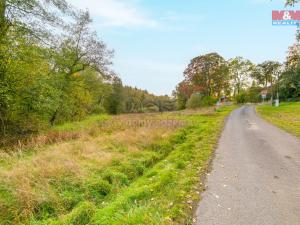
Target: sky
154	40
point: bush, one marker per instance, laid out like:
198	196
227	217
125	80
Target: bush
208	101
194	101
241	98
197	100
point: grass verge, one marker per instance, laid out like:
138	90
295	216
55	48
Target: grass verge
286	116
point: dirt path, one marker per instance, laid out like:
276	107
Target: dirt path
255	178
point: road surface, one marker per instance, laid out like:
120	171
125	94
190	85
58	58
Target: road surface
255	177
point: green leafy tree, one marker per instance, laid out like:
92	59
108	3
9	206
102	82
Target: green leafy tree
24	28
114	103
98	87
253	93
268	73
182	94
208	74
290	79
79	50
240	70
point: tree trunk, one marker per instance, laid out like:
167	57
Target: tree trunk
53	117
209	87
3	126
272	93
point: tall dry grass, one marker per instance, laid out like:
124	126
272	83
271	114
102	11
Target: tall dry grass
31	177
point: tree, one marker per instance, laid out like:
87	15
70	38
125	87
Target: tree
208	74
164	103
291	2
290	79
98	87
37	18
24	28
253	93
26	90
32	18
182	93
194	101
293	56
240	70
290	83
79	50
114	103
267	73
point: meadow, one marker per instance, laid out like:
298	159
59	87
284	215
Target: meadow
126	169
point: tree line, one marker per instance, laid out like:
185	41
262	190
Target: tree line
210	77
54	68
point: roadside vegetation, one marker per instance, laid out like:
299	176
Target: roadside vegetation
286	116
127	169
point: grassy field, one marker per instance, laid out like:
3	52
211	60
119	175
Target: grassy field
287	116
128	169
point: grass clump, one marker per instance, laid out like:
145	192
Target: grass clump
116	178
99	188
80	215
286	116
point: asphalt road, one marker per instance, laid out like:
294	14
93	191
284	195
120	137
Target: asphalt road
255	177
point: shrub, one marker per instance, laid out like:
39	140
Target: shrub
241	98
254	94
208	101
194	101
197	100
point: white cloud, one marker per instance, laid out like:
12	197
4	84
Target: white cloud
120	13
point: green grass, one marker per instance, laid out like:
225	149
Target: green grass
79	125
129	176
286	116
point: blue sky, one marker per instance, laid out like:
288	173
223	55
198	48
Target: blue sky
154	40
